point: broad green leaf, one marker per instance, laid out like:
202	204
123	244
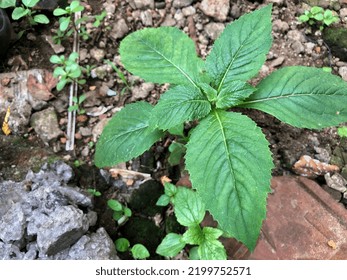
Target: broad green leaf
122	244
114	205
170	189
177	130
171	245
7	3
177	151
161	55
139	252
127	135
241	49
194	253
55	59
212	250
59	12
76	7
194	235
189	208
61	84
41	19
19	12
342	131
64	23
180	104
233	93
163	200
302	97
127	212
211	233
30	3
230	164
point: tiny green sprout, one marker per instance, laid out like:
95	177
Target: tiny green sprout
77	163
138	251
77	104
120	75
26	11
318	16
342	131
94	192
99	19
121	213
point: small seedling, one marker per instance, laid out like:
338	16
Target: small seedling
77	104
25	11
227	155
318	16
121	213
68	70
138	251
342	131
94	192
190	211
99	19
120	75
67	22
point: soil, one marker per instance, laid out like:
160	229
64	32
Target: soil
287	143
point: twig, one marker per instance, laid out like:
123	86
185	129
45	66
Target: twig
71	125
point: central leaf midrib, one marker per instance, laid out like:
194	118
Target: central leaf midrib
291	95
168	60
226	147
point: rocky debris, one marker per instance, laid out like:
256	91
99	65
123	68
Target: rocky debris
336	182
119	29
343	72
309	167
218	9
42	218
141	91
141	4
45	124
214	29
181	3
336	38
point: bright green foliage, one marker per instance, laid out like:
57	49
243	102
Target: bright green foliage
177	150
77	104
121	213
139	252
127	135
94	192
302	96
189	210
25	10
163	55
227	155
342	131
68	70
318	16
229	179
99	19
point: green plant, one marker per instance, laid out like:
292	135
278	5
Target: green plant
138	250
68	70
342	131
77	104
121	213
190	211
67	23
99	19
228	157
94	192
318	16
120	75
25	11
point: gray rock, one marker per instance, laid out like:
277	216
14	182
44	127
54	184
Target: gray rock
278	2
45	124
277	62
169	21
119	29
343	72
62	228
12	224
146	18
235	11
10	252
44	221
101	72
141	91
141	4
280	26
297	47
214	29
98	128
188	11
296	35
85	131
218	9
181	3
336	39
97	54
96	246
